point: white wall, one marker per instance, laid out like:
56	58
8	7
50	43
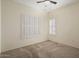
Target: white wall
0	26
11	25
67	25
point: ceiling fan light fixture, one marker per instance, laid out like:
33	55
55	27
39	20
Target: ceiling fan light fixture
47	0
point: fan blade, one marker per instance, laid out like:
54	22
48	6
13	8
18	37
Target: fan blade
53	2
40	1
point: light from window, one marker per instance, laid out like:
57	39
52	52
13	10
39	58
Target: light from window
52	25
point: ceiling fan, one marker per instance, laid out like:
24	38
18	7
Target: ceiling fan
47	0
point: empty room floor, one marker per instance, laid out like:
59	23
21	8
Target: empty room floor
46	49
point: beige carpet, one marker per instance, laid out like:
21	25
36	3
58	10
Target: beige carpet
47	49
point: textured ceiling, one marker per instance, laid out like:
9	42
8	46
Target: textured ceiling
46	6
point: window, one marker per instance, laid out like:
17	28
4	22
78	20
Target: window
52	25
30	26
